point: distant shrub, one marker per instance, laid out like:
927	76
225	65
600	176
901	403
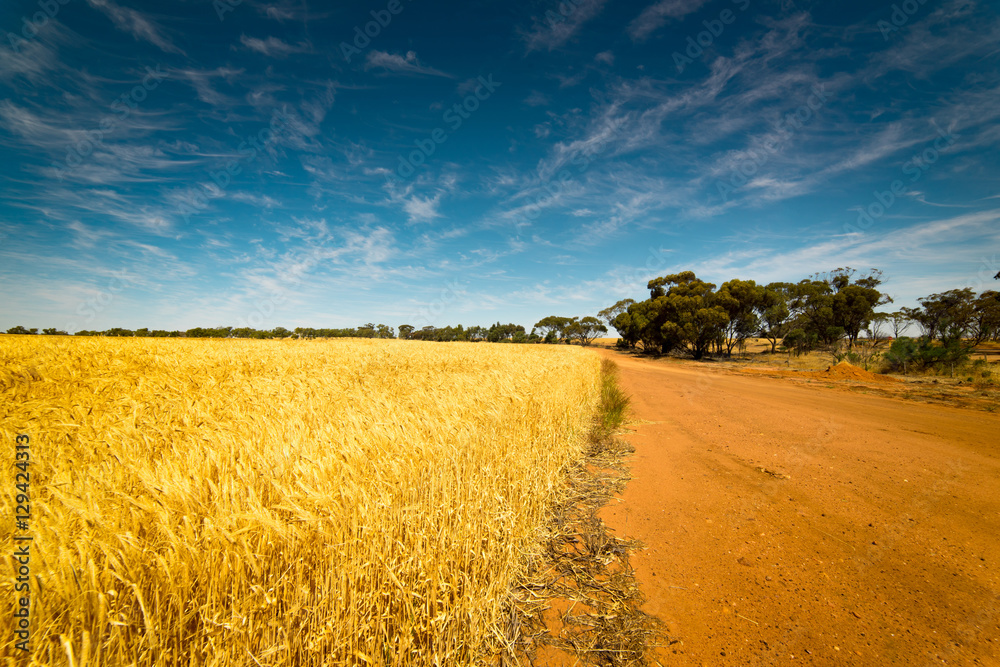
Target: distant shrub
908	354
799	341
901	354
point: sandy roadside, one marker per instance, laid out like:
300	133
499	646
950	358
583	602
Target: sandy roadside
788	523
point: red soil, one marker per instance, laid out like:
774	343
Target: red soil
792	523
842	371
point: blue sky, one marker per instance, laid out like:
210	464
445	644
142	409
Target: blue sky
258	163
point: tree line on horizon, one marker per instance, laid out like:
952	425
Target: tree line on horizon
365	331
685	314
551	329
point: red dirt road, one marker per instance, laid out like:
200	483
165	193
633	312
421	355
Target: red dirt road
791	523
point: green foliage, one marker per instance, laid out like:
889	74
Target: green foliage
368	331
117	331
681	313
627	327
555	329
854	308
862	355
742	300
217	332
504	333
685	313
553	325
986	317
584	330
953	323
799	340
611	312
614	405
811	306
831	307
907	354
22	331
774	312
947	316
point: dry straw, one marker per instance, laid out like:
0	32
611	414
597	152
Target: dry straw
220	502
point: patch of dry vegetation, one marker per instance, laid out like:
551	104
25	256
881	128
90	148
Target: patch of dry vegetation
580	603
227	502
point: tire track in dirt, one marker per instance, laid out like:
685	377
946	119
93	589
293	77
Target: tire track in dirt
788	523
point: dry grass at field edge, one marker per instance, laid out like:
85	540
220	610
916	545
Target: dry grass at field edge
580	603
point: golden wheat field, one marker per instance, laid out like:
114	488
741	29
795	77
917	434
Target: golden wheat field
224	502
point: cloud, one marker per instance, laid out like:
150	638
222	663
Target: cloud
288	10
202	82
925	257
107	204
87	237
740	93
536	99
32	60
555	29
422	209
316	259
408	64
655	16
272	47
302	128
950	249
31	127
56	134
131	21
284	11
259	201
939	41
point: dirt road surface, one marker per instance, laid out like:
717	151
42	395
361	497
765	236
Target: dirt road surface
792	523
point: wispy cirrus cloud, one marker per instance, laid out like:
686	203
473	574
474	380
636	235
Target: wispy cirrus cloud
139	26
401	64
109	204
272	47
551	31
203	82
934	245
260	201
52	133
655	16
288	11
31	61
